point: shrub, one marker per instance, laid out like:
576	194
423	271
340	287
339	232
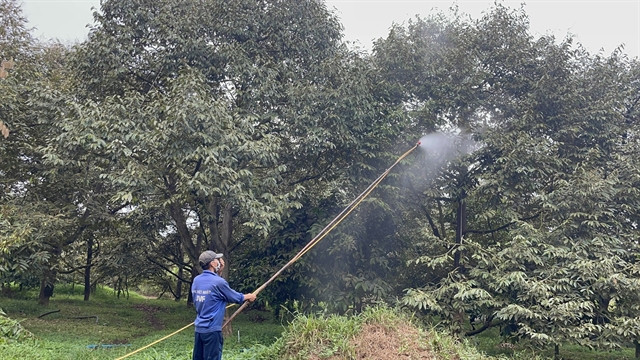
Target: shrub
11	330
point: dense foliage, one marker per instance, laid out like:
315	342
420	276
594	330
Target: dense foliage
246	126
536	230
40	216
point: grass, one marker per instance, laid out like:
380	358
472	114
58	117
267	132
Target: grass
117	326
377	333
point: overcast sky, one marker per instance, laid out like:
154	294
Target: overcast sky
596	24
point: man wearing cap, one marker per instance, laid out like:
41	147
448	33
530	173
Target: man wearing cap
211	293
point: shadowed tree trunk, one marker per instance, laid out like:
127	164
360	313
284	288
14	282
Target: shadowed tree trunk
46	291
194	273
87	269
48	279
178	295
222	244
461	215
46	286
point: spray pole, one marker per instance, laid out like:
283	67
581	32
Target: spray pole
343	214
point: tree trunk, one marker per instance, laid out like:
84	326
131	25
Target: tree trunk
220	229
213	210
46	286
194	273
637	344
222	244
48	277
185	235
87	269
461	215
178	294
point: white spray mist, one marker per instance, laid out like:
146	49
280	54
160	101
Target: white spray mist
447	146
439	149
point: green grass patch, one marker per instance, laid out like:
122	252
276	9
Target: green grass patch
116	326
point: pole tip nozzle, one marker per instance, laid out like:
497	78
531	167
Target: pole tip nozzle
419	143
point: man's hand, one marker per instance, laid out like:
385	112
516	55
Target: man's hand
250	297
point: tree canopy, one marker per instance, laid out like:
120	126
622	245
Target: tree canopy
537	234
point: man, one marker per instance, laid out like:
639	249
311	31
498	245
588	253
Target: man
211	293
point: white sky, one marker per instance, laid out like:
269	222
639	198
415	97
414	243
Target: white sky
596	24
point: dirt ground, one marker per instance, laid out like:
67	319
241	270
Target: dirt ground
150	314
377	341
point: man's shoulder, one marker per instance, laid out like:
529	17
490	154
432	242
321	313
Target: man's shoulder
207	273
209	276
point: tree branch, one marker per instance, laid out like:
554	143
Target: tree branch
500	227
434	228
168	270
486	325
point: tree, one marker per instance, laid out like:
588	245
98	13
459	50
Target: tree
542	196
224	122
31	100
63	198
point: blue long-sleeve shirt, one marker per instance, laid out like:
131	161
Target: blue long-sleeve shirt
211	293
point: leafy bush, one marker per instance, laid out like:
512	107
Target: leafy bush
11	330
